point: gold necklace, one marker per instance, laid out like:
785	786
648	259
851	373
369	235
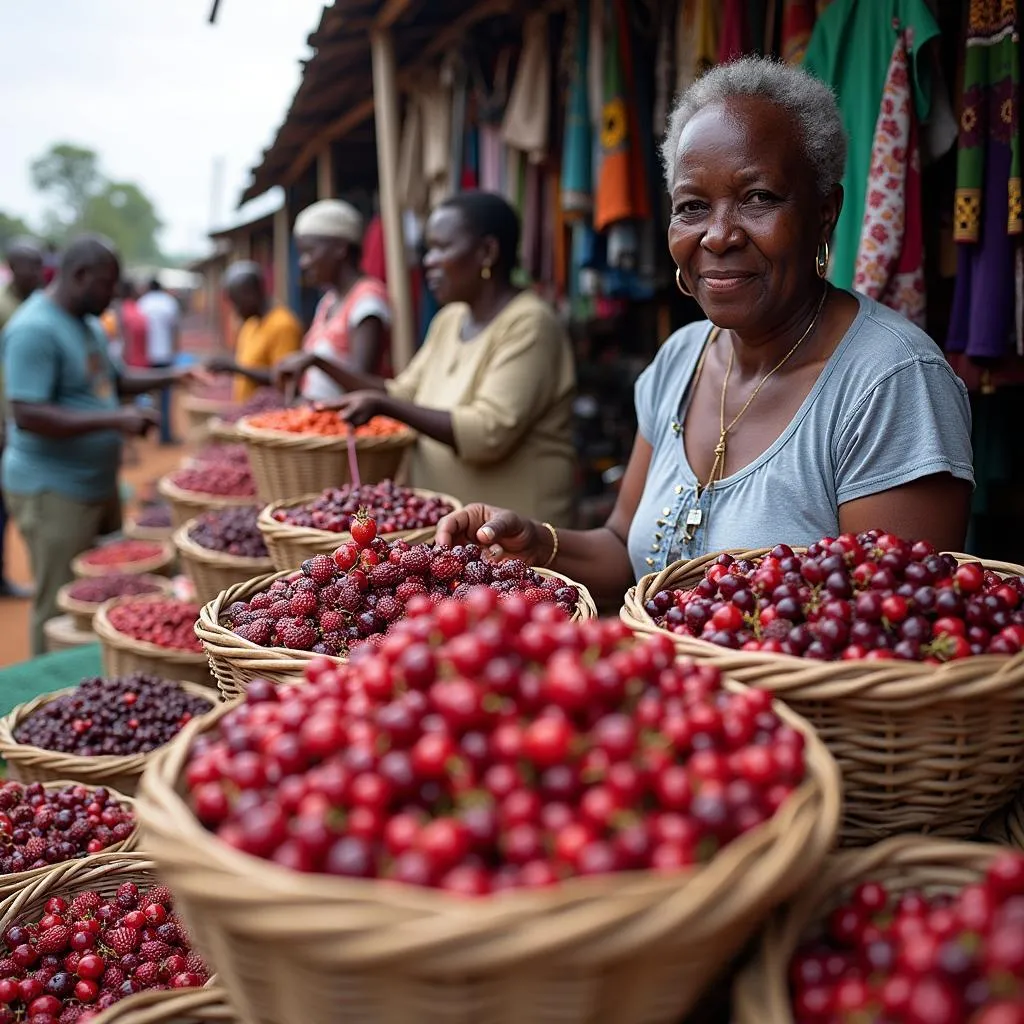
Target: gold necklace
696	515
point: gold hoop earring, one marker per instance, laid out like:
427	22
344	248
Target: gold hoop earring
485	272
821	262
680	285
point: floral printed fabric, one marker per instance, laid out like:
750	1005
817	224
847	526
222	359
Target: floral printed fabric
890	256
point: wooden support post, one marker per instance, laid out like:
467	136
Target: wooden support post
325	173
385	104
282	251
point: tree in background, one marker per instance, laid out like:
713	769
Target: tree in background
86	200
11	228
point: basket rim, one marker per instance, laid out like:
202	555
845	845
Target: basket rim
197	403
12	749
121	641
761	990
133	530
316	442
894	682
209	1003
141	567
68	604
298	534
173	492
219	641
189	548
809	818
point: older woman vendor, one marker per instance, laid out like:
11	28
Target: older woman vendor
796	410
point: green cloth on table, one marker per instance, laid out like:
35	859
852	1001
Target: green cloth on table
26	680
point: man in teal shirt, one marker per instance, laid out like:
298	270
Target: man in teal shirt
66	420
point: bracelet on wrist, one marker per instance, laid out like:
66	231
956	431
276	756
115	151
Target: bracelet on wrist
554	545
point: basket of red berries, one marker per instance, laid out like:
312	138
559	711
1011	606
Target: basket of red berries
221	548
154	635
273	626
121	557
202	486
100	732
316	524
908	931
498	814
45	824
82	597
908	662
207	1005
91	935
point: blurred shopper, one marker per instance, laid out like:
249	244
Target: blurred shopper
64	394
268	334
163	326
351	328
25	262
126	326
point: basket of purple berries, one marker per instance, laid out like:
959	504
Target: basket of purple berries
222	548
99	733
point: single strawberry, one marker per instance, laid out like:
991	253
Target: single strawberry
54	940
195	965
445	566
477	574
535	595
416	560
349	598
259	633
305	585
147	974
385	575
280	610
302	604
160	894
299	636
389	608
409	589
461	592
154	950
123	940
113	977
331	622
35	848
80	831
261	602
128	895
320	569
8	968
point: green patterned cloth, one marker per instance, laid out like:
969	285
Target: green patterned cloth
26	680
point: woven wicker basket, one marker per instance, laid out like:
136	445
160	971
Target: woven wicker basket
123	655
26	763
160	563
186	505
213	571
287	465
221	430
922	748
761	992
63	634
132	530
26	881
189	1006
308	949
199	412
237	662
290	546
82	612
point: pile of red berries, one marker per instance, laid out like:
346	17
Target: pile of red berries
86	952
97	589
167	623
154	516
491	744
394	508
114	717
123	552
264	400
370	583
222	479
871	596
914	958
39	827
231	531
224	454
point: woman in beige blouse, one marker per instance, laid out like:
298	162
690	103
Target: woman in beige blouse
490	391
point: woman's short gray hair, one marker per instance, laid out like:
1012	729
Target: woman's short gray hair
809	100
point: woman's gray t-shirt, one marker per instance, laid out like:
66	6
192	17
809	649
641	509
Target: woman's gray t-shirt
886	409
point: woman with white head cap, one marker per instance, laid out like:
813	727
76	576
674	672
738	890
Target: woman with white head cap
350	328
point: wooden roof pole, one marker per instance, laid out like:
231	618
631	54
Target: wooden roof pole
385	104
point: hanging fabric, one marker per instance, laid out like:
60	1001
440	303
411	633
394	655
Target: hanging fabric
851	50
577	199
987	228
411	184
436	111
621	184
696	40
890	260
797	24
527	118
732	40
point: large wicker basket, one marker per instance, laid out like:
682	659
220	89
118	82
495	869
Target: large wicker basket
308	949
761	992
188	1006
290	546
26	881
186	505
64	634
214	571
133	530
199	412
922	748
123	655
160	563
26	763
82	612
236	662
219	429
287	465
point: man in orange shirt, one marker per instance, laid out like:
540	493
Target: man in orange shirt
268	332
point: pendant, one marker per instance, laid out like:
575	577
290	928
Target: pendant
694	517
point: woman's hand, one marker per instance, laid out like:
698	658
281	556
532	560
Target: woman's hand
357	406
288	372
499	531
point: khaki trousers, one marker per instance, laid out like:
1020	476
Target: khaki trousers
56	529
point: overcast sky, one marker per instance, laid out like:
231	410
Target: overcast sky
158	92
